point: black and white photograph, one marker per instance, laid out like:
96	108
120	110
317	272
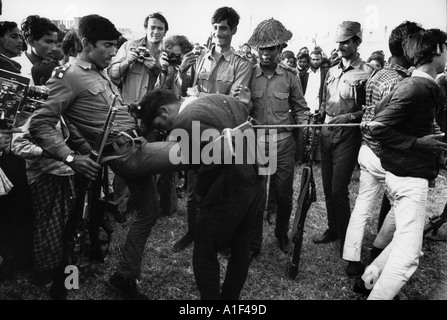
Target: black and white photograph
197	153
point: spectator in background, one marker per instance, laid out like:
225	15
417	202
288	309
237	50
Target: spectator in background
10	46
377	60
325	64
303	62
71	46
59	53
247	53
177	65
41	36
288	58
303	50
312	82
134	75
53	193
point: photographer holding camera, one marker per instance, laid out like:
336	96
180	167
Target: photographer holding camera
177	65
135	69
136	65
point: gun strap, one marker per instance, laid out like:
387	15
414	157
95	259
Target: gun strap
110	158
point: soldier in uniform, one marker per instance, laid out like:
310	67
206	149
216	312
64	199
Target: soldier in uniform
277	98
219	70
344	96
83	93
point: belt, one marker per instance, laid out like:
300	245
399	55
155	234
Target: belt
121	139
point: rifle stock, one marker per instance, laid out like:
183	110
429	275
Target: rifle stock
303	205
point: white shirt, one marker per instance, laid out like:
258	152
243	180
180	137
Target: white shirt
26	66
422	74
312	95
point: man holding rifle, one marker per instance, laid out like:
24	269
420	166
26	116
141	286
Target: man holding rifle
83	93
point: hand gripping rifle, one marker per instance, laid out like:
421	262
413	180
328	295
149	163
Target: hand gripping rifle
78	231
306	196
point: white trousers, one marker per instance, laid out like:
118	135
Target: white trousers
400	259
371	183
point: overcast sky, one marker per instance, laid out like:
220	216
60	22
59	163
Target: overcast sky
306	19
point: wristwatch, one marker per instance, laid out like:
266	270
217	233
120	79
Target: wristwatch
69	159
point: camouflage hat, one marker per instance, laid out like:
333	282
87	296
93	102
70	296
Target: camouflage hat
270	33
348	29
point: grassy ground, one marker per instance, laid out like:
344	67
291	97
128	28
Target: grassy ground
169	276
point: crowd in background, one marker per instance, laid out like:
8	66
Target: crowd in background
399	100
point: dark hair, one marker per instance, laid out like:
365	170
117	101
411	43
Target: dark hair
303	55
151	102
317	52
94	28
378	56
6	26
159	16
420	48
42	71
71	41
60	35
398	35
226	13
178	40
325	60
35	27
287	54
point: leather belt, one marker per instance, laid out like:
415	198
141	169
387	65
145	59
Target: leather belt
121	139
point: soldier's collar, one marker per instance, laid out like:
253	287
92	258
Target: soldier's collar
83	64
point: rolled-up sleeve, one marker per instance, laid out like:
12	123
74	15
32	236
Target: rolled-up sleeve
43	124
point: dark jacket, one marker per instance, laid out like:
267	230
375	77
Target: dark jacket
216	112
406	114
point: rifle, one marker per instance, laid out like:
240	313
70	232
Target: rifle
79	231
306	196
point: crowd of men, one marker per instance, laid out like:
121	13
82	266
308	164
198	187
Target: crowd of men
383	117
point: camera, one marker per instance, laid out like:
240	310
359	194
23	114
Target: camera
143	53
17	96
174	59
35	97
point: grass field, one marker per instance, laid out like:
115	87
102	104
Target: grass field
169	276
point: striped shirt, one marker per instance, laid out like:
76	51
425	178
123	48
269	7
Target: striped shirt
379	86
